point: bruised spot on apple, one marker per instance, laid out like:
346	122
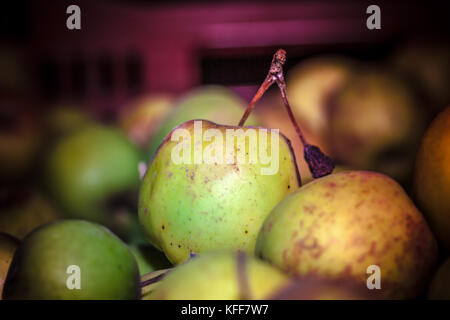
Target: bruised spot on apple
353	231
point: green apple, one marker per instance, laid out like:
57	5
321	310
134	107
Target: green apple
92	173
219	201
72	260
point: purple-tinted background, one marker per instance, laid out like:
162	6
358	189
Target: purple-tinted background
128	48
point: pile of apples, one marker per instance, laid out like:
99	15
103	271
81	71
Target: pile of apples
362	193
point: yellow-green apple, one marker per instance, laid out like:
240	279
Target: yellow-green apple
92	173
220	276
358	226
210	187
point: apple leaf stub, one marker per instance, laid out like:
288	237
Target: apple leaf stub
319	164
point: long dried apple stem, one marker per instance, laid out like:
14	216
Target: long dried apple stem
263	88
319	164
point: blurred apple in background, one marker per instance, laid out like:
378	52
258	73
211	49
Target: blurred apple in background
92	173
440	284
214	103
432	176
143	117
376	124
63	118
427	63
272	113
8	246
23	209
14	76
20	138
311	84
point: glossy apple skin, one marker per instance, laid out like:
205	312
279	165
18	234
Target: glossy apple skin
108	269
432	176
338	225
203	207
215	276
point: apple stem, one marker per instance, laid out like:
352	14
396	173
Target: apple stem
263	88
153	279
276	68
242	274
319	164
